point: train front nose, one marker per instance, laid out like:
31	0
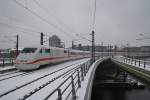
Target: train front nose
25	65
23	62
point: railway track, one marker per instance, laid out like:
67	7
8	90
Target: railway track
9	73
40	78
47	83
4	77
17	74
24	73
7	70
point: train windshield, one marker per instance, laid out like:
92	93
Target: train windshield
29	50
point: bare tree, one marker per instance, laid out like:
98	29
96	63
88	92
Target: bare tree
55	41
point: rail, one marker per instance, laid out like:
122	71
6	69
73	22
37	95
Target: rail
136	62
71	84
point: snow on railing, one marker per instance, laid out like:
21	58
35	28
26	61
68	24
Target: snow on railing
136	62
73	83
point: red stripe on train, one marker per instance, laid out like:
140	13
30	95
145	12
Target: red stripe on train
44	59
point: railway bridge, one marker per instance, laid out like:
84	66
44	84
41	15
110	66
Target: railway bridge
119	78
108	78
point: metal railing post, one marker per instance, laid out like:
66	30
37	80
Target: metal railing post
73	89
79	82
144	64
135	61
12	62
87	66
84	69
59	94
3	62
139	63
130	60
82	73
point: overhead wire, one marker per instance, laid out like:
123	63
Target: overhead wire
58	20
23	30
55	26
9	38
83	38
40	17
20	30
18	27
15	20
27	29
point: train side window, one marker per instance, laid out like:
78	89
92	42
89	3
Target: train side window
47	50
65	51
41	51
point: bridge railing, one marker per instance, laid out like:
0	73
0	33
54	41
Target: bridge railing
6	61
136	62
71	84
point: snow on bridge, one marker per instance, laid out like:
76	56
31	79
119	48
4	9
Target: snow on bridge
60	81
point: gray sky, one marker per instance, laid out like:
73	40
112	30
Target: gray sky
117	21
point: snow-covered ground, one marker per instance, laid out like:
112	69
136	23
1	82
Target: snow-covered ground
29	81
6	68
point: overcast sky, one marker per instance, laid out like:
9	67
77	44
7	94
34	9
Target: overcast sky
118	22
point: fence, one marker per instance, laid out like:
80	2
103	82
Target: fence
6	61
136	62
72	83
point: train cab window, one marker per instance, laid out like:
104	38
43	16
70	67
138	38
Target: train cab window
47	50
65	51
40	51
29	50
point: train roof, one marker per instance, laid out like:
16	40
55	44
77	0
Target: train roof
42	46
56	48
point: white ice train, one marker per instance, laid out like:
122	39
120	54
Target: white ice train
33	57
